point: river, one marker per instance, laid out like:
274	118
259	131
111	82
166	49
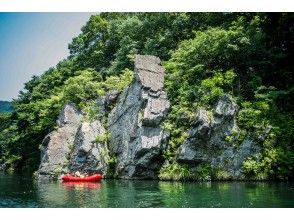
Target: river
22	191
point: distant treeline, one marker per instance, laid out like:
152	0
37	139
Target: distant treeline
6	106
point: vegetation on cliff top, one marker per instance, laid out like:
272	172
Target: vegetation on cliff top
206	55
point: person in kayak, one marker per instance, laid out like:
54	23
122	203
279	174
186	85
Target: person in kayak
78	174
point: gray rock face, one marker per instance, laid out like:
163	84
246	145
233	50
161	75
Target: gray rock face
72	147
56	145
105	103
207	140
137	138
89	156
233	158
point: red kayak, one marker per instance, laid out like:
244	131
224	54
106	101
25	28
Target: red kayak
70	178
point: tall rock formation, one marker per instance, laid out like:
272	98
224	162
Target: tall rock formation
207	142
56	145
137	138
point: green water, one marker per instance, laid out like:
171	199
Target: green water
20	191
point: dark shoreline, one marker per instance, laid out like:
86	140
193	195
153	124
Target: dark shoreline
28	176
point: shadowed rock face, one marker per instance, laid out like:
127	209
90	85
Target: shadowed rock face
89	156
137	139
57	144
207	140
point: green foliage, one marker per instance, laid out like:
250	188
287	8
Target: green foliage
204	64
83	88
92	111
261	168
220	174
10	162
211	89
201	172
57	172
71	148
199	72
11	159
102	138
119	83
274	129
174	171
212	63
112	161
109	40
5	120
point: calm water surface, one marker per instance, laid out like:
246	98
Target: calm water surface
20	191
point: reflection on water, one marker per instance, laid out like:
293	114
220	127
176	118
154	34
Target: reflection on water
19	191
81	185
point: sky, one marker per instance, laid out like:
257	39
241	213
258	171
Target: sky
31	43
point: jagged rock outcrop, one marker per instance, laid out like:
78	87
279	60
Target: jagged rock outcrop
56	145
88	154
207	142
73	147
137	139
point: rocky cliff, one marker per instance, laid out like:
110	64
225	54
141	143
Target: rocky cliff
137	139
57	145
128	140
130	143
72	146
210	141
